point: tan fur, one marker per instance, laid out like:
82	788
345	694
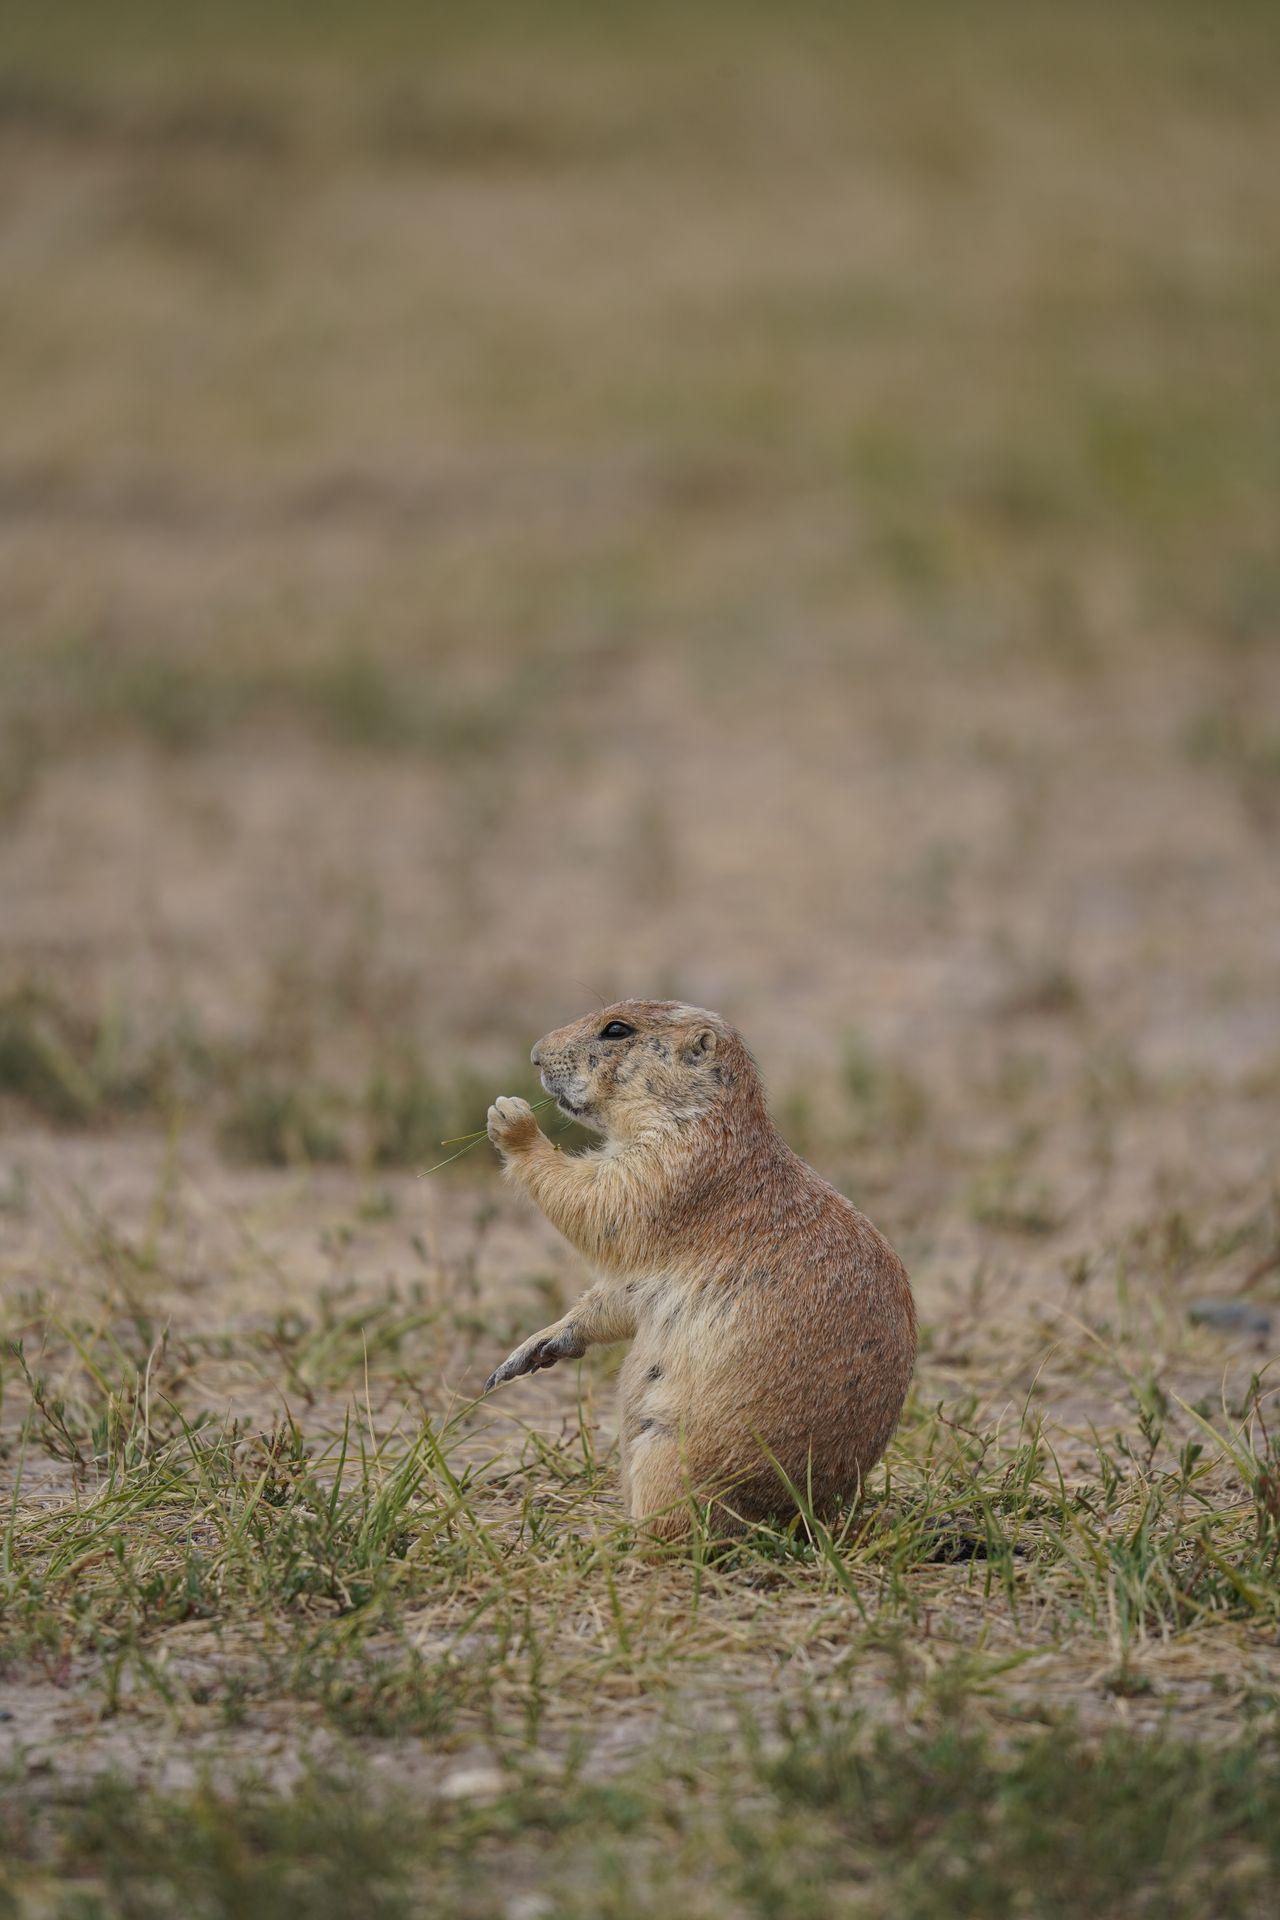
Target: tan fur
772	1327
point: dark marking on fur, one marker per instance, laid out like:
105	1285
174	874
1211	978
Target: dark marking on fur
654	1373
753	1277
649	1425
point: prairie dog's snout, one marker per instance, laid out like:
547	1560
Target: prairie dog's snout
773	1328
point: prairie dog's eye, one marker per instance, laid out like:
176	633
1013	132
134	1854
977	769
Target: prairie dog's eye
616	1030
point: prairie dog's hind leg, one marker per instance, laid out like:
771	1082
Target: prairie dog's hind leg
656	1486
663	1496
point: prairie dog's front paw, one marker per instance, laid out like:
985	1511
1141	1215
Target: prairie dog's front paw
560	1342
512	1127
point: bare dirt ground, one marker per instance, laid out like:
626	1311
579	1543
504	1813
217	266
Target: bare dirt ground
782	513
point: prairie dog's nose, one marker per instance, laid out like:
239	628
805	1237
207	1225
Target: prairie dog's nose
536	1054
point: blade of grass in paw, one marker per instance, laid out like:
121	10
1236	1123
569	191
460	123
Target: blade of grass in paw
471	1140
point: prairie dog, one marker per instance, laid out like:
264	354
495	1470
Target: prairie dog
767	1316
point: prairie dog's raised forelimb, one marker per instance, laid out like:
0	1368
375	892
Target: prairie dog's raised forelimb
596	1200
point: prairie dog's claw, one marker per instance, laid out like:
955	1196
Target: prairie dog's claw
523	1360
562	1343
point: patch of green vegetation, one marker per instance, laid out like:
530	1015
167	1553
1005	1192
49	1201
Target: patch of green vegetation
212	1524
408	1116
330	1347
1008	1515
1245	749
271	1122
57	696
177	704
74	1068
180	1519
1053	1826
1048	990
396	1579
815	1814
268	1106
328	1850
872	1102
41	1060
887	1101
1003	1198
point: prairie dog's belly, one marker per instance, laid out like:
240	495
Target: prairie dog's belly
809	1368
699	1358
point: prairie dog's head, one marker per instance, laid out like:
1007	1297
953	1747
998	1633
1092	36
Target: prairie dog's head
643	1066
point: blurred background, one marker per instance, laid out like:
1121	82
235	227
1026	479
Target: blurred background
771	505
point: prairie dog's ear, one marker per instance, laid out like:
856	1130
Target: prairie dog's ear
699	1047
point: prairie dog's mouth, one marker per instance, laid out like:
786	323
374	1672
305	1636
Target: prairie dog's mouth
575	1109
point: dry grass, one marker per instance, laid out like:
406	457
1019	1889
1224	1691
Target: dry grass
778	511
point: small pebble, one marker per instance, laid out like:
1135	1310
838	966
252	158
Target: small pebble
1230	1316
472	1783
